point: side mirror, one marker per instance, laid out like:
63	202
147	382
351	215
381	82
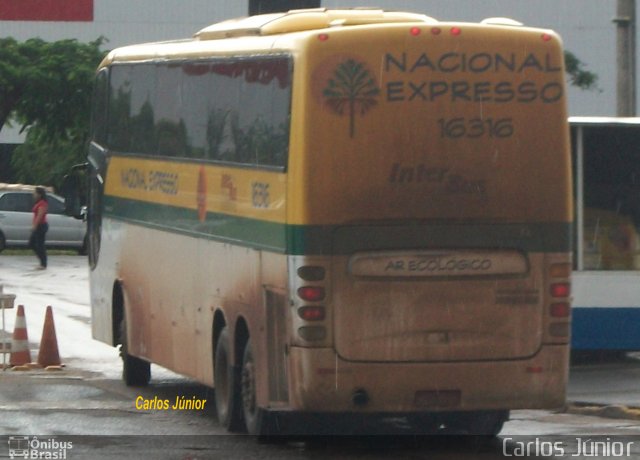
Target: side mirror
71	191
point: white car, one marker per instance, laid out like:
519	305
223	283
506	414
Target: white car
16	218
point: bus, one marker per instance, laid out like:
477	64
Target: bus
606	162
338	215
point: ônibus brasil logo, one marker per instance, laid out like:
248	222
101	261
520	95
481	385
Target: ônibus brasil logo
351	90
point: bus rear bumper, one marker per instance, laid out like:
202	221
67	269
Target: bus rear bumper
322	381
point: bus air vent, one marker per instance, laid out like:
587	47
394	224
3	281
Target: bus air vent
301	20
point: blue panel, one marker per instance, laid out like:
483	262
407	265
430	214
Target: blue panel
605	328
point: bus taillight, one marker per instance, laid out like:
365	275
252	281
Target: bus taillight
560	330
560	290
312	313
310	301
560	310
311	293
311	273
312	333
558	303
560	270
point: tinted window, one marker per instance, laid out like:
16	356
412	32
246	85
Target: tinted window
19	202
231	110
99	107
611	231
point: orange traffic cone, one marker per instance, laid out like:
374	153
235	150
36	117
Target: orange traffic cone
48	355
20	354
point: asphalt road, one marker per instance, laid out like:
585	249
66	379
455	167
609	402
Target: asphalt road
85	411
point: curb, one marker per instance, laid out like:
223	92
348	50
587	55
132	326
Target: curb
601	410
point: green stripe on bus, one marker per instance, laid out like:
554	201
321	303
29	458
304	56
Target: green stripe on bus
529	237
242	231
336	239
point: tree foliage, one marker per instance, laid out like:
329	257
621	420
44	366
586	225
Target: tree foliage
46	87
46	158
578	74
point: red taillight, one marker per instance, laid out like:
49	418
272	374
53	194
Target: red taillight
456	31
560	290
323	37
436	30
415	31
311	313
546	37
560	310
311	293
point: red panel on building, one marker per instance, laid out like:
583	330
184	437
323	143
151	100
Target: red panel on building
46	10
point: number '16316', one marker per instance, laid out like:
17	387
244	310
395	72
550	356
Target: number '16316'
456	128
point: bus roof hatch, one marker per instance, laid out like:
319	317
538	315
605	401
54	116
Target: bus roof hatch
301	20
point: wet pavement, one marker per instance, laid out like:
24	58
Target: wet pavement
602	383
86	403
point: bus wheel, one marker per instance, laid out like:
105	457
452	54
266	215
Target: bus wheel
253	419
136	372
227	392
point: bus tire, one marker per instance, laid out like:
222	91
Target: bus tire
136	372
227	388
3	242
254	417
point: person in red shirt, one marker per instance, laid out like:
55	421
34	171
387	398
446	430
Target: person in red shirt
40	226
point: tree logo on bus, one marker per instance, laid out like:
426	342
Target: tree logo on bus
351	90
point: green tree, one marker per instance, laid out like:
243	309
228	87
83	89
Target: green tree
46	87
352	87
45	158
578	74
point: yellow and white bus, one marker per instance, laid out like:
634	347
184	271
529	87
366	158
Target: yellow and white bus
344	213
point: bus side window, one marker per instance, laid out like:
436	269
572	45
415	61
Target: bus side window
233	110
611	222
100	103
